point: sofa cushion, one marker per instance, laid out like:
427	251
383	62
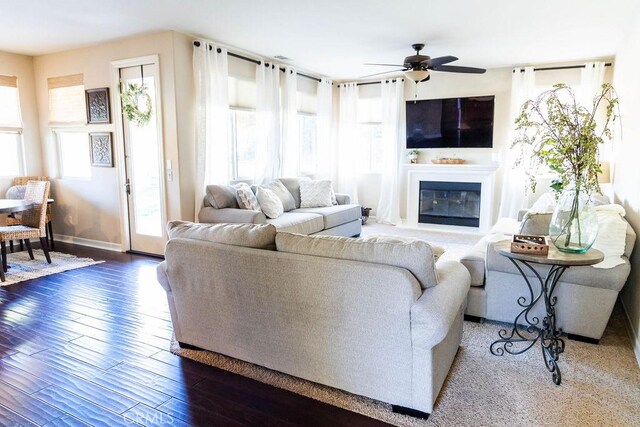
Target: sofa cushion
298	222
536	224
293	185
415	256
221	196
269	202
335	215
245	197
259	236
315	194
288	202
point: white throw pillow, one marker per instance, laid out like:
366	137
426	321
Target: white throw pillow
245	197
315	194
270	203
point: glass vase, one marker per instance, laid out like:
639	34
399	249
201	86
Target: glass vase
574	224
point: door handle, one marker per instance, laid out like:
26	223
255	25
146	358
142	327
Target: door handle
127	187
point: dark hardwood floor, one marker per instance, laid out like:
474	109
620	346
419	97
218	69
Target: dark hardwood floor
90	347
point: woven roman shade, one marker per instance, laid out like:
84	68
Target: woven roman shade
8	81
10	118
67	100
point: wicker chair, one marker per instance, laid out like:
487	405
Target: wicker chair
13	220
34	224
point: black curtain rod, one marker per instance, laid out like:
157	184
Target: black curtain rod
375	83
567	67
255	61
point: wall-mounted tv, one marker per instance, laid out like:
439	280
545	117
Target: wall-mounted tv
450	123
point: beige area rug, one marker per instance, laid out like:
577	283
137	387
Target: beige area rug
455	244
23	268
600	384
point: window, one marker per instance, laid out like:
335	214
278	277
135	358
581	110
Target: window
243	142
370	143
308	143
75	159
370	131
11	160
67	118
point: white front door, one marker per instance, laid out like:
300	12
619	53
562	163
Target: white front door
144	167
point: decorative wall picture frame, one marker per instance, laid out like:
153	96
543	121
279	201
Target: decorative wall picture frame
101	149
98	108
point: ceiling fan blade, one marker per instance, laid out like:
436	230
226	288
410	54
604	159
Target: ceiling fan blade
456	69
378	74
387	65
441	60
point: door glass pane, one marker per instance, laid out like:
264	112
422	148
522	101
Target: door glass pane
145	171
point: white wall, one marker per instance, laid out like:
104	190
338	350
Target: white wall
627	173
21	66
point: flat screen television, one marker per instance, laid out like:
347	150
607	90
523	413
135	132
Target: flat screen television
450	123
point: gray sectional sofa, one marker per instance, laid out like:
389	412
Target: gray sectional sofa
371	316
342	219
586	295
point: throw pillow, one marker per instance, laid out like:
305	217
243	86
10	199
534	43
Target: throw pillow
245	197
270	204
384	238
16	192
417	256
221	196
315	194
288	202
259	236
293	185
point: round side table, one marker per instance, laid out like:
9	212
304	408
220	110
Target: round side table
527	330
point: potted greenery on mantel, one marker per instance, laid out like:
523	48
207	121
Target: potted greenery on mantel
562	135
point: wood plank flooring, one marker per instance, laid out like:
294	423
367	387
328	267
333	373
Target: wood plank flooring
90	347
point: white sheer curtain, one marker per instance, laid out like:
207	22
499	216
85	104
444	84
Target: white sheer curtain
324	140
393	140
514	181
592	77
346	176
211	74
290	128
268	123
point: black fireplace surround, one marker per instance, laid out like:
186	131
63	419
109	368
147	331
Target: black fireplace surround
450	203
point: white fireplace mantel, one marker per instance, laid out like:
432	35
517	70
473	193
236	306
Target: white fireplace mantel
480	173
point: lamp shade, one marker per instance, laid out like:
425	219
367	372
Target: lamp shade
604	177
416	75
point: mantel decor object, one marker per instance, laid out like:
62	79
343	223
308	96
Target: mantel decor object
101	149
448	161
98	111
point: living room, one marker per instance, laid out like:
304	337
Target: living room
218	95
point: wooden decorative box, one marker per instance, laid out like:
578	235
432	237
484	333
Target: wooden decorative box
448	161
532	245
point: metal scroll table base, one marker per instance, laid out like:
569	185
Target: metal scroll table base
527	329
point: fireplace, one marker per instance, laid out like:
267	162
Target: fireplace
450	203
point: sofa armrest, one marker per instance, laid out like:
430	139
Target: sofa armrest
161	274
433	314
231	215
343	199
522	213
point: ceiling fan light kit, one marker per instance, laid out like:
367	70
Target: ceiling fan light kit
417	67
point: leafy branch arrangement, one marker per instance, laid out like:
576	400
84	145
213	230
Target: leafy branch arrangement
557	132
132	98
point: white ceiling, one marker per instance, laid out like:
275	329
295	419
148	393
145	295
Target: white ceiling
334	37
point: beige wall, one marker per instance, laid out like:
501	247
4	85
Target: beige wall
450	85
627	173
90	209
22	67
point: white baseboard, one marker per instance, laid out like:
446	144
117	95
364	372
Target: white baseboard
98	244
633	334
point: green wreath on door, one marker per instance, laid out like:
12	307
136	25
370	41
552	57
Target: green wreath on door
136	104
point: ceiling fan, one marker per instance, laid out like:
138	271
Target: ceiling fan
417	67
